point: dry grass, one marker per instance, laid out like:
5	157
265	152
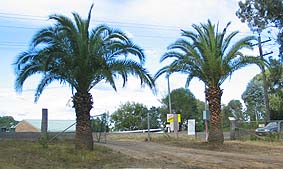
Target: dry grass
183	140
28	154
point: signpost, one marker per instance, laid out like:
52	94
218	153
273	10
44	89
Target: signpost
174	124
191	127
206	118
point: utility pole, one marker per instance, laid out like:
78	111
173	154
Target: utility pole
169	97
266	99
175	116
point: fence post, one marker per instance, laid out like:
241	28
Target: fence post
279	129
44	121
176	125
44	127
232	128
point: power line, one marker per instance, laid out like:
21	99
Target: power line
23	16
16	27
153	27
43	18
123	24
126	24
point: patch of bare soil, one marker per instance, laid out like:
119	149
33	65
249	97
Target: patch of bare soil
170	156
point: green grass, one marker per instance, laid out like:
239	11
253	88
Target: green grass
27	154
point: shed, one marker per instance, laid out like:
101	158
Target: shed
34	125
3	129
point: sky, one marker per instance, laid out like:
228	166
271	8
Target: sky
152	24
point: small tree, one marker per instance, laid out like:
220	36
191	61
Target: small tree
233	109
133	116
253	97
7	121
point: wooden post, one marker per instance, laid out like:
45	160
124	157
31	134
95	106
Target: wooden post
148	128
232	128
279	129
206	130
176	125
44	121
44	126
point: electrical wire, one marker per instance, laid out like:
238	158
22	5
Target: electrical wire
161	29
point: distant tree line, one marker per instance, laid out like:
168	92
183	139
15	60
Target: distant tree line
133	116
7	122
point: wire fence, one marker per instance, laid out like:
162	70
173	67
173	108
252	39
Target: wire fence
246	130
100	127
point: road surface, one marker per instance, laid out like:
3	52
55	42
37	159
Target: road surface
165	156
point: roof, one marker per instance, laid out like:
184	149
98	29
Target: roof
54	125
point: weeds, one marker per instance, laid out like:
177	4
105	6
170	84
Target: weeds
59	154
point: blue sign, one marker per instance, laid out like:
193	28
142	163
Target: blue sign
205	115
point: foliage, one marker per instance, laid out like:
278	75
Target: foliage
71	53
182	102
253	97
275	79
261	13
200	122
100	124
155	117
209	55
7	121
205	54
236	108
133	116
254	93
43	140
225	113
233	109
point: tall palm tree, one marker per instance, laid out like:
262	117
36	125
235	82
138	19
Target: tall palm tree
210	56
71	53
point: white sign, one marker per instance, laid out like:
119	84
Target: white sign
172	126
191	127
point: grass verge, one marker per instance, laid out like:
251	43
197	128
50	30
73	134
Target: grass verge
28	154
183	140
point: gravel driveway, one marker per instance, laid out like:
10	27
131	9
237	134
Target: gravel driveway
164	156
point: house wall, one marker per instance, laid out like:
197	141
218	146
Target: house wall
23	126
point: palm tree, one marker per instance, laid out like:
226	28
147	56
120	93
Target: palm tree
71	53
208	55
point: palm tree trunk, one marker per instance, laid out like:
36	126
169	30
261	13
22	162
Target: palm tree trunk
83	105
213	96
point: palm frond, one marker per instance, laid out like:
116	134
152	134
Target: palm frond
69	52
206	54
46	80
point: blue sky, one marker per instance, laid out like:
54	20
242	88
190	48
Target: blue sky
152	24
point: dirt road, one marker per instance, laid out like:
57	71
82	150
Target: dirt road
165	156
